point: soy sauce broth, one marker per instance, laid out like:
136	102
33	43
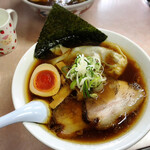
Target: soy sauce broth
131	74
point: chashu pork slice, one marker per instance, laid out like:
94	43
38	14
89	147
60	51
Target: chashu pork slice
68	115
117	100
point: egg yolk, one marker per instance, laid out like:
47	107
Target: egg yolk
44	80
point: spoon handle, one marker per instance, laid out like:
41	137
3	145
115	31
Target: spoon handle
35	111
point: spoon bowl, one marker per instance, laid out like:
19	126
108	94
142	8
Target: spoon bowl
36	111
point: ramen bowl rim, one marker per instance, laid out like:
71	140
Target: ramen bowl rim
124	141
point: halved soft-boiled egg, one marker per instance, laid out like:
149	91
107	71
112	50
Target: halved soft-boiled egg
45	80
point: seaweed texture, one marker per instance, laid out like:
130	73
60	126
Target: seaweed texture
63	27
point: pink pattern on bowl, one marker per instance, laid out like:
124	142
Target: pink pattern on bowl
76	8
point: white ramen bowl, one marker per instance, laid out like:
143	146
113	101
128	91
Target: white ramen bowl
123	142
75	8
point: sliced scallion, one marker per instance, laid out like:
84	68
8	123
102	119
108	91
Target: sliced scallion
87	74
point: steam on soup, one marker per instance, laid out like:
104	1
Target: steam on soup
96	93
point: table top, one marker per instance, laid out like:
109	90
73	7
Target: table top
129	18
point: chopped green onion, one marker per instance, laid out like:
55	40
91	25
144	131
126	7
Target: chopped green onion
87	74
73	84
94	95
86	89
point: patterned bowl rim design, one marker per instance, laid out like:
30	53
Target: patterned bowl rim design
67	7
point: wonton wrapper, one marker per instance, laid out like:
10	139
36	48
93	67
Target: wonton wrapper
114	62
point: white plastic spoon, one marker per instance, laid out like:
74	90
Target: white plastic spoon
35	111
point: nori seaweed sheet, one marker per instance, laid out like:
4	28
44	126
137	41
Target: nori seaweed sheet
63	27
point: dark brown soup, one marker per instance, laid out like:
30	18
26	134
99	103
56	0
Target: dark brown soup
51	2
131	74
